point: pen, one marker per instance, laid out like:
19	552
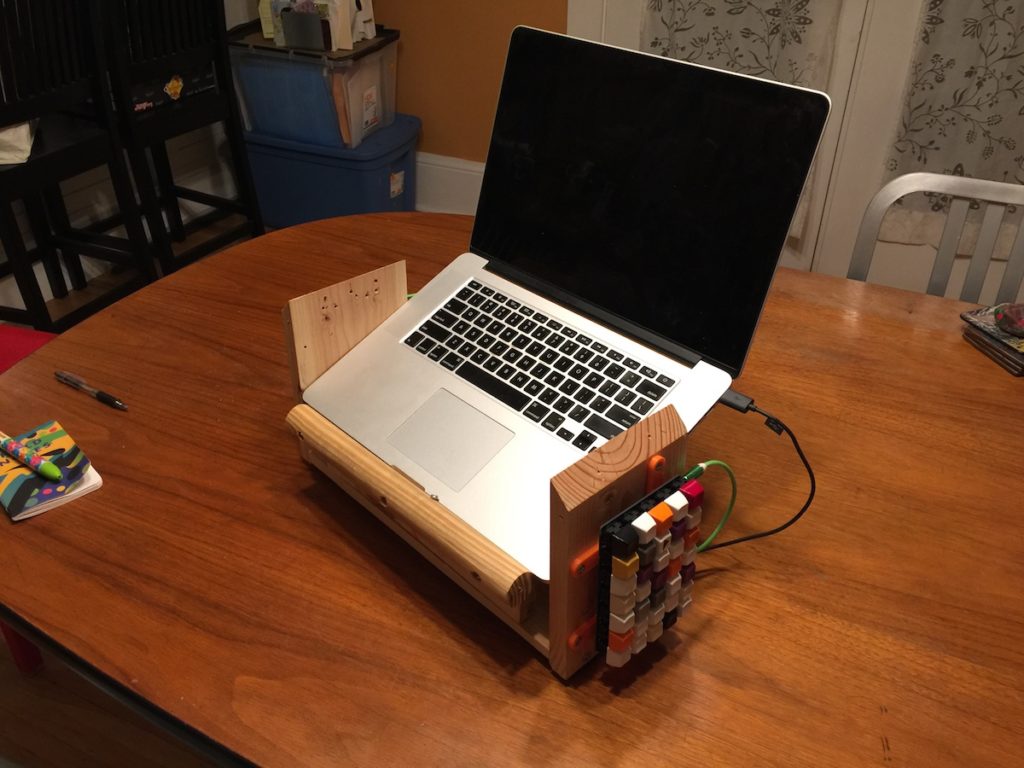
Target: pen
30	458
73	381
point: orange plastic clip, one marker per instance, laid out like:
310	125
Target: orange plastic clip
585	562
582	632
655	472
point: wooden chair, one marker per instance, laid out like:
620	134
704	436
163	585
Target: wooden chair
51	72
171	75
993	196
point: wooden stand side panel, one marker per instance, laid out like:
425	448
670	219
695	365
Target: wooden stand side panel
583	497
322	326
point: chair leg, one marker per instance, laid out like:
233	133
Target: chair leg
26	655
131	215
165	180
35	210
62	226
146	186
21	268
243	176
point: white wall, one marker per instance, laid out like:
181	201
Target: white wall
237	11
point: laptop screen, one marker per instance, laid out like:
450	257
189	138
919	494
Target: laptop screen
651	194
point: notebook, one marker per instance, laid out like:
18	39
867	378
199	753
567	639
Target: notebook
632	212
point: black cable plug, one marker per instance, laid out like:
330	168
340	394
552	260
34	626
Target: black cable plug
737	401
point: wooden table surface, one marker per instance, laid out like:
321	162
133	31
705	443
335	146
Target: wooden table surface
239	593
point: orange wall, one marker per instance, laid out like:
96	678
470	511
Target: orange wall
450	58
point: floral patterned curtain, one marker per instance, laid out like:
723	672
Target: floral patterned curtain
789	41
963	110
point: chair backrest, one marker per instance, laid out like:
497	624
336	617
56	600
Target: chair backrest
162	35
48	58
993	196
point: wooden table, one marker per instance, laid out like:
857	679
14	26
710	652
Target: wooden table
233	592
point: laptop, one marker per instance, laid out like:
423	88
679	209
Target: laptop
632	213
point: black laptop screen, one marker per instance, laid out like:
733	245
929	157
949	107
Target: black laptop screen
643	191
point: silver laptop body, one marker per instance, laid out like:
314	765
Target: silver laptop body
599	260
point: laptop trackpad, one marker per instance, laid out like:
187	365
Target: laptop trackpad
450	439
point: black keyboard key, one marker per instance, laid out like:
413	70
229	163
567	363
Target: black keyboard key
584	340
593	380
584	395
549	355
536	349
480	357
498	348
599	404
414	338
525	363
642	406
583	355
568	332
526	326
541	371
506	371
508	334
447	319
521	341
569	347
599	347
460	327
629	379
465	293
540	333
536	411
526	312
475	285
563	364
467	349
553	421
578	372
470	314
598	363
473	334
650	390
435	331
554	325
568	387
493	364
565	434
629	362
548	396
541	319
621	416
454	342
512	304
452	361
614	370
519	380
502	312
425	346
625	397
495	328
585	440
563	404
603	427
533	387
500	297
486	341
609	388
487	291
476	300
514	319
481	321
512	355
649	372
579	413
437	352
665	381
616	356
554	378
455	306
488	306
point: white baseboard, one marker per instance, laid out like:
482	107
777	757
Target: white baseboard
447	184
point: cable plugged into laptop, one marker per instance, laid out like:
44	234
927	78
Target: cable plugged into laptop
740	402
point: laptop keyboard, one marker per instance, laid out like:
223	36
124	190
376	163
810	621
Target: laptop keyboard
572	385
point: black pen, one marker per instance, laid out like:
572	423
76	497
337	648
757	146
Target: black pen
73	381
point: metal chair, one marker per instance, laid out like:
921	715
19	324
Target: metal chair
993	196
52	71
171	75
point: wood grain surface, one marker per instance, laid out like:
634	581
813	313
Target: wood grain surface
237	589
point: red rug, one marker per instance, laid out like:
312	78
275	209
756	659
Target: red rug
16	343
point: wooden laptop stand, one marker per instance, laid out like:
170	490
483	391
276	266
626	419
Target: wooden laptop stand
556	617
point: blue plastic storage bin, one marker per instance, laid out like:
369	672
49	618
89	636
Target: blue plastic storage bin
298	182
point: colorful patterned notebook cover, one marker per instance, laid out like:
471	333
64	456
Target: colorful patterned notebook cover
21	489
984	320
